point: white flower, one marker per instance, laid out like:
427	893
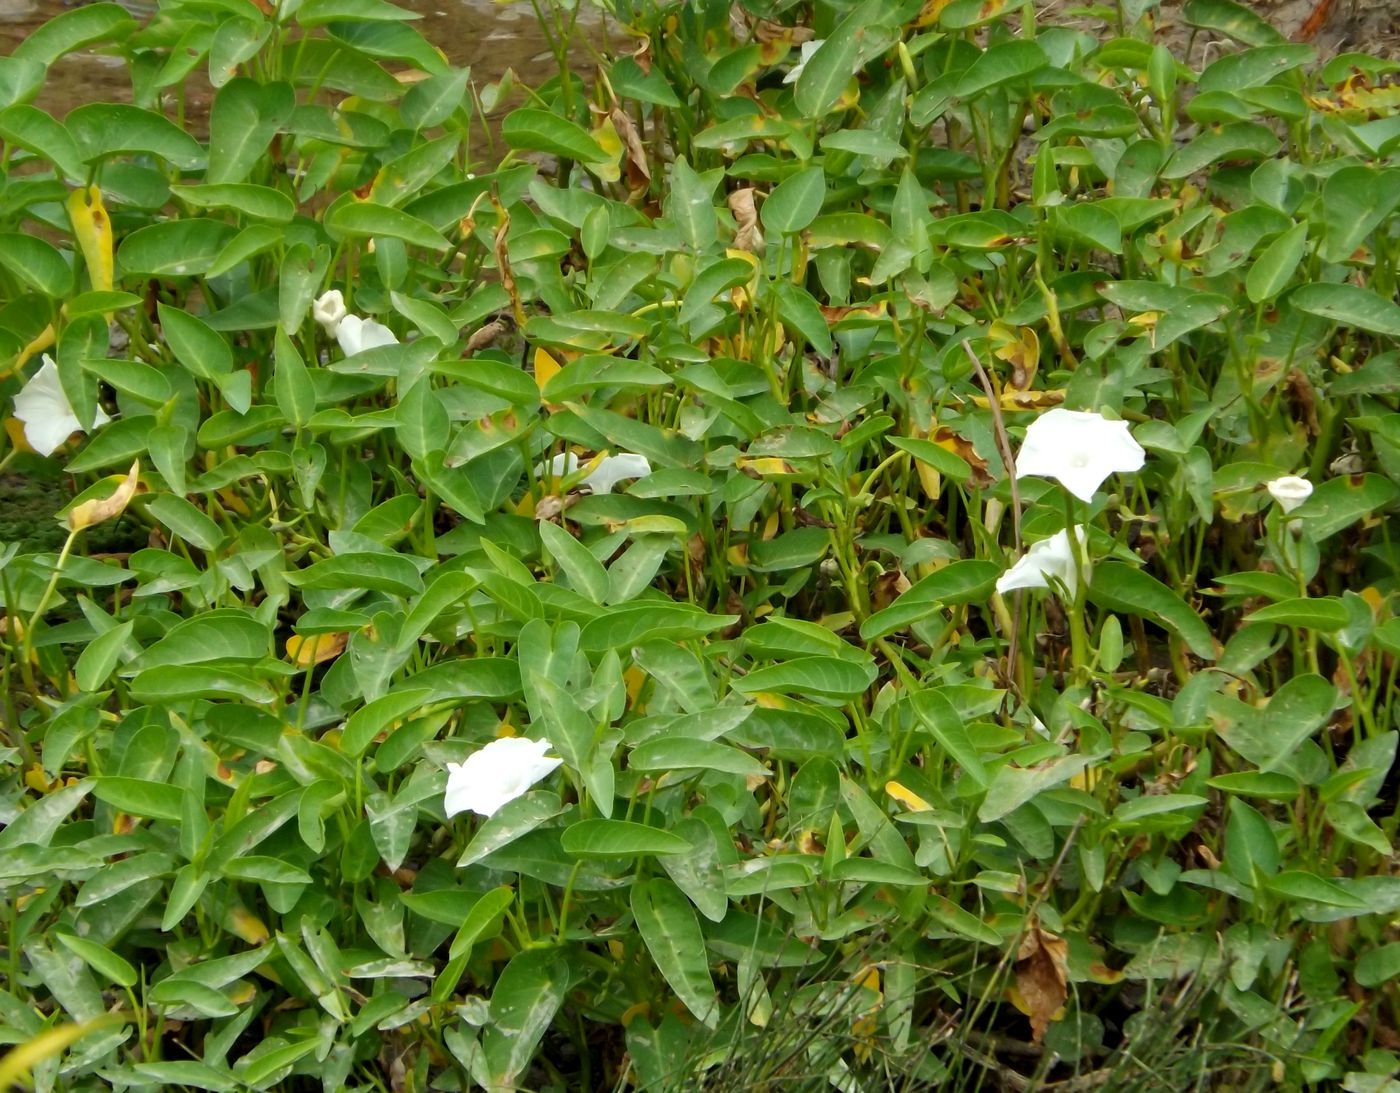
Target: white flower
47	414
498	773
1048	558
329	311
610	470
355	335
808	48
1078	449
1290	491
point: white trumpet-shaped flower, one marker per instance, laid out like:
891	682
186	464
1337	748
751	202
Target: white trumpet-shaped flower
1290	491
1049	558
47	415
355	335
497	774
1078	449
329	310
610	470
808	48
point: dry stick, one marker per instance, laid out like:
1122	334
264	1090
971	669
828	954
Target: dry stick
1009	461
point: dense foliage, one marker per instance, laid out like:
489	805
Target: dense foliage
680	436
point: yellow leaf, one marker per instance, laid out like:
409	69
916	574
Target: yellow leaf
505	729
15	1066
930	12
634	679
93	230
930	479
1018	347
546	367
247	926
764	466
608	169
87	513
907	797
43	340
315	649
14	429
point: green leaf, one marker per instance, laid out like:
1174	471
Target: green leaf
534	130
794	202
666	920
1121	587
1232	20
365	218
103	130
827	72
291	382
36	263
619	839
257	202
30	128
243	119
186	1072
224	634
175	248
1340	502
1379	966
374	717
1349	305
1011	786
967	581
265	870
423	426
874	871
360	571
20	79
679	753
826	677
1002	63
1296	884
527	995
100	959
514	819
690	207
1327	614
73	29
649	620
1273	786
1275	267
97	661
182	682
153	800
434	100
937	714
585	573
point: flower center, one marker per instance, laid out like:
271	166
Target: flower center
1079	460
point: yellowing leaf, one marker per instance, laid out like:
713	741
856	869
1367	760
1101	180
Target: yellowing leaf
14	429
546	367
907	797
930	479
87	513
43	340
247	926
606	136
93	230
315	649
1018	347
16	1065
763	466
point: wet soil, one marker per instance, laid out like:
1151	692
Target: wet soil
490	36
